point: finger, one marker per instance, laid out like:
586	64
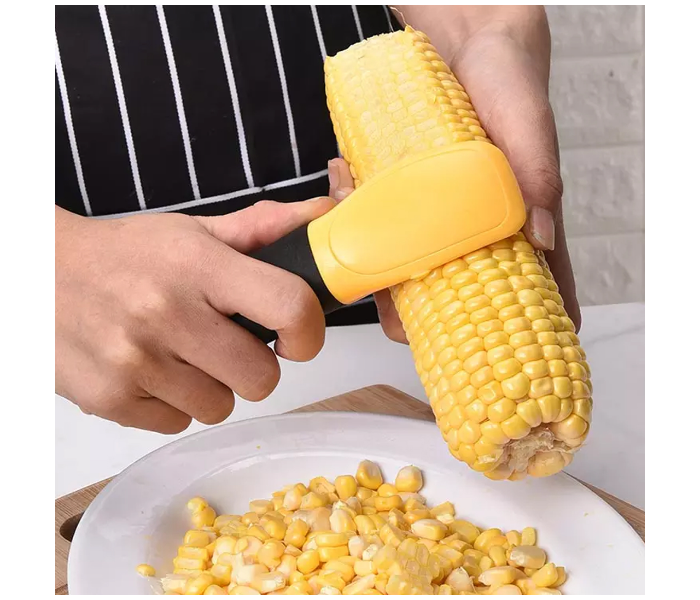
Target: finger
509	92
271	297
190	390
264	222
229	354
340	179
389	318
560	265
150	413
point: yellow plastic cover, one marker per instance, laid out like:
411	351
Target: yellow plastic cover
421	213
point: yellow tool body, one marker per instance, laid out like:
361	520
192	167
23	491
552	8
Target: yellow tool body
420	213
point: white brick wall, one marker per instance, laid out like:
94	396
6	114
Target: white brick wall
597	91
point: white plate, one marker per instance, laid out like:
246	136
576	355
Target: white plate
141	515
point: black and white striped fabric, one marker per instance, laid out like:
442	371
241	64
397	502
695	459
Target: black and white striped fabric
198	109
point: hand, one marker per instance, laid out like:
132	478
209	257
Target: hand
501	55
143	336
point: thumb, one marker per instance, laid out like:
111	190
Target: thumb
264	222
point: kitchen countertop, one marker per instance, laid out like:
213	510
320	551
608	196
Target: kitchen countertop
89	449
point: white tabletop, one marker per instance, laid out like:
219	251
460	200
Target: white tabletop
89	449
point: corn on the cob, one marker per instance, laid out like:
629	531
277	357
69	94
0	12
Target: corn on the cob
494	347
377	553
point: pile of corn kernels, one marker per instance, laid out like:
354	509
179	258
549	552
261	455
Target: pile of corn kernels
356	535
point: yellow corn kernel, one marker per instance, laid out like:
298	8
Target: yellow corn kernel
446	508
296	533
459	545
378	520
363	493
292	499
174	583
561	577
345	570
275	528
197	585
246	573
380	582
365	567
268	582
324	539
430	529
345	486
342	521
329	579
365	525
454	556
242	590
146	570
529	557
204	517
312	500
193	552
189	563
250	518
190	573
321	486
545	592
525	585
482	542
296	577
498	576
221	574
460	581
466	530
197	504
357	544
387	503
546	576
360	585
198	539
331	552
271	553
485	563
260	507
409	479
308	561
373	547
300	588
258	532
215	590
514	538
412	501
223	520
412	516
369	475
498	555
387	489
529	537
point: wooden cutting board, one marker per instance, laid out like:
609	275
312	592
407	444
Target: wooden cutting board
380	399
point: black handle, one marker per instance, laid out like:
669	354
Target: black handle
291	253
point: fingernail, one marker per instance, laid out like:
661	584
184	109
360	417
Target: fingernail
542	226
333	176
342	193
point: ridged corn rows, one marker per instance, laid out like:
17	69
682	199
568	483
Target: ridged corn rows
496	352
356	535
